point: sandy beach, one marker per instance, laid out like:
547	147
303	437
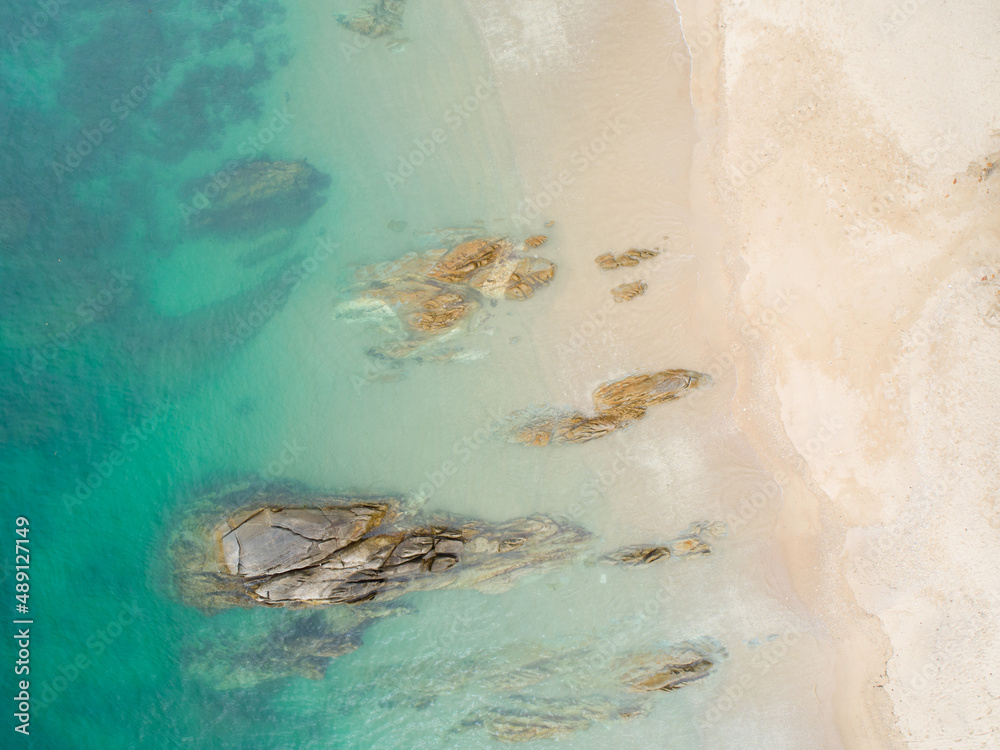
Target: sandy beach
821	182
319	442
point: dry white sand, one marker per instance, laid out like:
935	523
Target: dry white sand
840	142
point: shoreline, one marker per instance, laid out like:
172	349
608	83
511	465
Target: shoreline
653	188
841	175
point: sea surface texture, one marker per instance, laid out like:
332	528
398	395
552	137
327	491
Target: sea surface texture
259	255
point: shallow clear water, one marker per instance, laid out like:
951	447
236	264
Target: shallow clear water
140	368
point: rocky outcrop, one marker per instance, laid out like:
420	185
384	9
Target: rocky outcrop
618	688
690	544
281	548
522	719
432	296
618	404
626	292
378	19
632	257
258	195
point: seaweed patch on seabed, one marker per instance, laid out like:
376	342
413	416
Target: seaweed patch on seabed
255	195
424	300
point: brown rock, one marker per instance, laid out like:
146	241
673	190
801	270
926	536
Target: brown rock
632	257
529	273
618	404
625	292
439	291
646	390
459	264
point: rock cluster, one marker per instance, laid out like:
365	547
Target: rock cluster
436	294
281	546
626	292
618	404
621	688
632	257
277	551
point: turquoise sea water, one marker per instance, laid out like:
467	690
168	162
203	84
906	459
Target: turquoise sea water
145	361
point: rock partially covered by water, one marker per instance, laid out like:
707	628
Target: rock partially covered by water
664	671
632	257
429	297
380	18
258	194
281	548
626	292
618	404
524	719
300	646
616	688
690	544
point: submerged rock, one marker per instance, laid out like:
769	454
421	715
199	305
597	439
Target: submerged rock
626	292
301	646
618	404
664	671
261	193
284	548
523	719
427	298
632	257
690	544
621	689
379	18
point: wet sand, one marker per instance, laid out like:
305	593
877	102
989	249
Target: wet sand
830	259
